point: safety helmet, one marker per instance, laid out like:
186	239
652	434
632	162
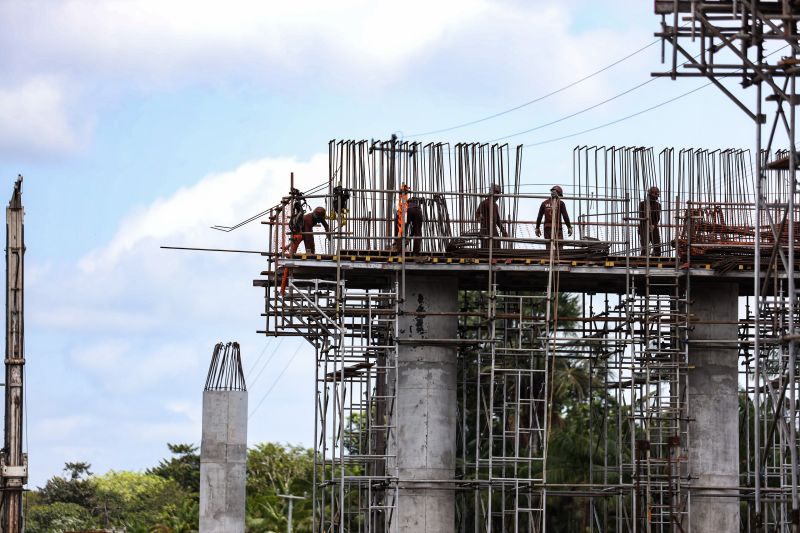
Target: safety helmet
558	190
654	191
319	213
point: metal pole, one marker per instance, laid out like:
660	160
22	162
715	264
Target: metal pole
757	316
13	463
290	499
792	301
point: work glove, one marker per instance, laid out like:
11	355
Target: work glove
569	232
538	232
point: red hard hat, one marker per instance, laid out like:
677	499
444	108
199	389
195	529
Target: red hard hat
558	190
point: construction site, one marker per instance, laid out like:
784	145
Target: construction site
447	303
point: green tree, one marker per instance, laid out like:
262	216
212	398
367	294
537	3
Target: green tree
183	467
78	488
134	499
58	517
274	469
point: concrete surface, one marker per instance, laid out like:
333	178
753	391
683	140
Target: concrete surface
425	414
714	408
223	457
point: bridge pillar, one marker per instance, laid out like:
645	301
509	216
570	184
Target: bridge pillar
714	408
223	449
425	416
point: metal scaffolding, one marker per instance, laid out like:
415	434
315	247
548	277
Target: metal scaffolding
549	330
756	43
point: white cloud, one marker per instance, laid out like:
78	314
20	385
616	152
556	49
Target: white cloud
494	53
59	429
351	45
217	199
127	365
103	356
156	42
139	323
34	118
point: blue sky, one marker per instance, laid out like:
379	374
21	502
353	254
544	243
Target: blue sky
140	123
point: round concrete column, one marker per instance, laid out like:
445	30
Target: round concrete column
425	413
714	408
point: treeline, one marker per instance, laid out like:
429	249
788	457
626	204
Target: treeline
165	499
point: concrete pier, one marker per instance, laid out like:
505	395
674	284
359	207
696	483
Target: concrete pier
714	408
223	451
425	415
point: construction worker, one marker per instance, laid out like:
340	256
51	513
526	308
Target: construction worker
412	227
303	230
649	220
408	218
554	211
488	215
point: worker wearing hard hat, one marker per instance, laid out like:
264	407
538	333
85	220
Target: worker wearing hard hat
303	230
301	226
649	220
553	211
488	216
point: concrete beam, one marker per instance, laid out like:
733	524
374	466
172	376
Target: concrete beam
714	409
425	415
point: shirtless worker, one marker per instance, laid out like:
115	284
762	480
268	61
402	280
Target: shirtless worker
553	208
488	213
649	220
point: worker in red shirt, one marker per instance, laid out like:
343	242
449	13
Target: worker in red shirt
303	230
553	211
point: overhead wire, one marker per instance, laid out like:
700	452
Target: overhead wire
537	99
258	359
576	113
277	379
269	359
627	117
617	121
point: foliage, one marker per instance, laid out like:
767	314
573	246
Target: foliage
273	469
133	499
57	517
183	468
77	488
165	498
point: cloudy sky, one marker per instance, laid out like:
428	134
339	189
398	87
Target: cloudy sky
140	123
